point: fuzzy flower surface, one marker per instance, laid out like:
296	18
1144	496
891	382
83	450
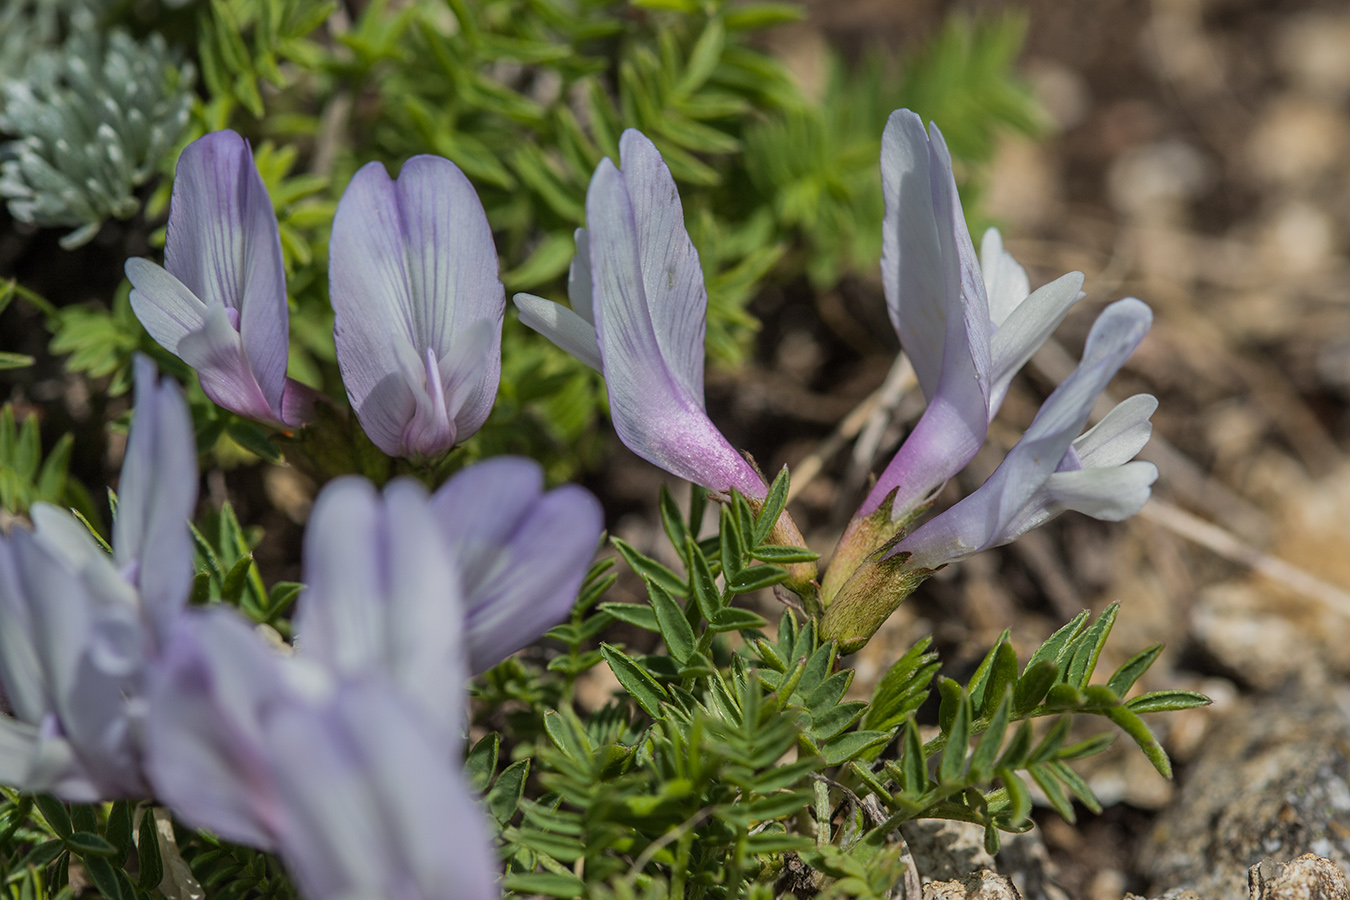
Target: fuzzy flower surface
418	306
343	776
219	301
79	629
522	552
967	323
639	315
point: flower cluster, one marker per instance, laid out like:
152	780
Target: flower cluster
417	302
967	324
342	753
119	690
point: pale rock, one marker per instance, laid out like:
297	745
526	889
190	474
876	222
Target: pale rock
1249	632
1062	91
1154	182
1270	782
1299	239
1312	49
982	885
1310	877
1297	140
1023	183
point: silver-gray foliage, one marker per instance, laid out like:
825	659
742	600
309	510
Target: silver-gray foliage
92	121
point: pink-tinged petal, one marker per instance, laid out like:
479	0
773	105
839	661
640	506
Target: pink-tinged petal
167	309
672	278
297	403
383	595
209	699
522	552
217	353
157	496
652	410
224	246
935	295
430	433
564	327
412	269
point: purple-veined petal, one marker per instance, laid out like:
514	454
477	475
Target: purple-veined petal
383	595
522	552
208	702
652	410
475	355
217	353
987	517
564	327
371	298
157	495
412	268
672	278
223	245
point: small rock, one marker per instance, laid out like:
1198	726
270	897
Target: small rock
1311	48
1272	781
948	852
1245	629
1310	877
1296	140
1062	91
1153	181
1299	239
982	885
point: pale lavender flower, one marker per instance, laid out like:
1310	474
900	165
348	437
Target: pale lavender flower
639	310
522	552
342	776
418	306
78	628
967	328
1052	469
383	594
219	302
412	585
